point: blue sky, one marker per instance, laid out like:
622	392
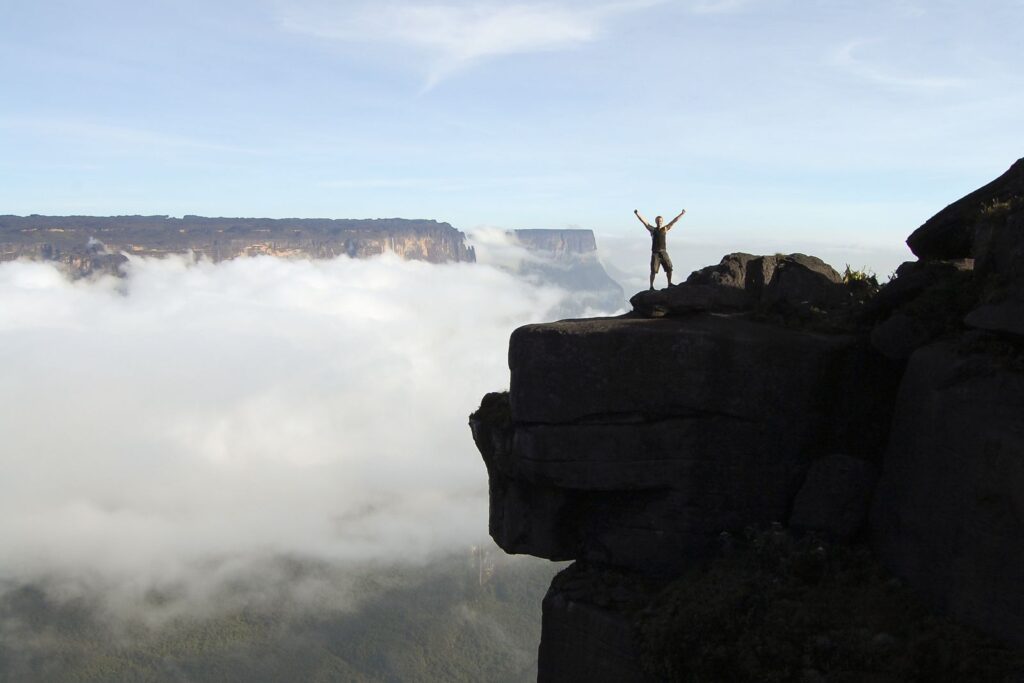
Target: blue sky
771	121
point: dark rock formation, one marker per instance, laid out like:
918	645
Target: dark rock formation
762	390
949	510
1005	316
834	498
72	240
587	625
977	226
786	284
635	442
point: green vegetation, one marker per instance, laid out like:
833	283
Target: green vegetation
449	621
862	275
1000	208
777	608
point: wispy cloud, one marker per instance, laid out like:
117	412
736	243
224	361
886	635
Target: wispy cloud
846	58
457	36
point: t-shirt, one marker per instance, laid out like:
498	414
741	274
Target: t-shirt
658	238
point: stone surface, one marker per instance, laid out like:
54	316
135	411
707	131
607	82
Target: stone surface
742	271
835	496
948	513
777	281
912	279
633	442
899	336
800	280
999	243
953	232
689	298
1006	317
588	629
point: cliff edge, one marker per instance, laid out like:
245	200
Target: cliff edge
86	244
771	392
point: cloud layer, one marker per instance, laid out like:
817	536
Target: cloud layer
190	420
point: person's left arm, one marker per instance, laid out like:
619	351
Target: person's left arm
673	221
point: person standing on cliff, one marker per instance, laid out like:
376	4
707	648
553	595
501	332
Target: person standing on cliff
659	253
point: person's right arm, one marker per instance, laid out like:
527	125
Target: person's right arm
642	219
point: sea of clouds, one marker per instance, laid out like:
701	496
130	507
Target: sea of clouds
190	421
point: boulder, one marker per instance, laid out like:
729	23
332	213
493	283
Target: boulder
744	281
900	336
953	232
912	279
948	512
742	271
800	281
689	298
835	496
1006	317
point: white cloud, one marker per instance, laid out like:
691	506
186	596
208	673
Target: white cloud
191	421
846	58
457	36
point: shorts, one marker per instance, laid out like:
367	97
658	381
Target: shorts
658	259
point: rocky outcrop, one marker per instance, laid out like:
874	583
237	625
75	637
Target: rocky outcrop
984	225
763	391
72	240
635	442
949	510
794	283
835	496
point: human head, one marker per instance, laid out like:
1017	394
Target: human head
658	220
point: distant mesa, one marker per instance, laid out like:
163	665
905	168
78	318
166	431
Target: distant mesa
569	259
72	240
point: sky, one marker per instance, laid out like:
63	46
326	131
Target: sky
786	125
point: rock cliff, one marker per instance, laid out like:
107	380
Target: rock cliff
84	244
770	390
569	259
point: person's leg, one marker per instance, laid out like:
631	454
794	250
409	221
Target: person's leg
654	267
668	266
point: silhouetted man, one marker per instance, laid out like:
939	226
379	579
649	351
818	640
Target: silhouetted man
659	254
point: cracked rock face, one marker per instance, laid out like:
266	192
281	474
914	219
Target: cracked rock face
635	442
948	514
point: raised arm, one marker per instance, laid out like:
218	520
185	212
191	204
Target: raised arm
642	219
673	221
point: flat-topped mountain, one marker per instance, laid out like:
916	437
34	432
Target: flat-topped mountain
88	243
569	259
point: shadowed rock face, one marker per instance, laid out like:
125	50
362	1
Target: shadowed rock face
635	442
782	283
949	509
85	243
984	225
